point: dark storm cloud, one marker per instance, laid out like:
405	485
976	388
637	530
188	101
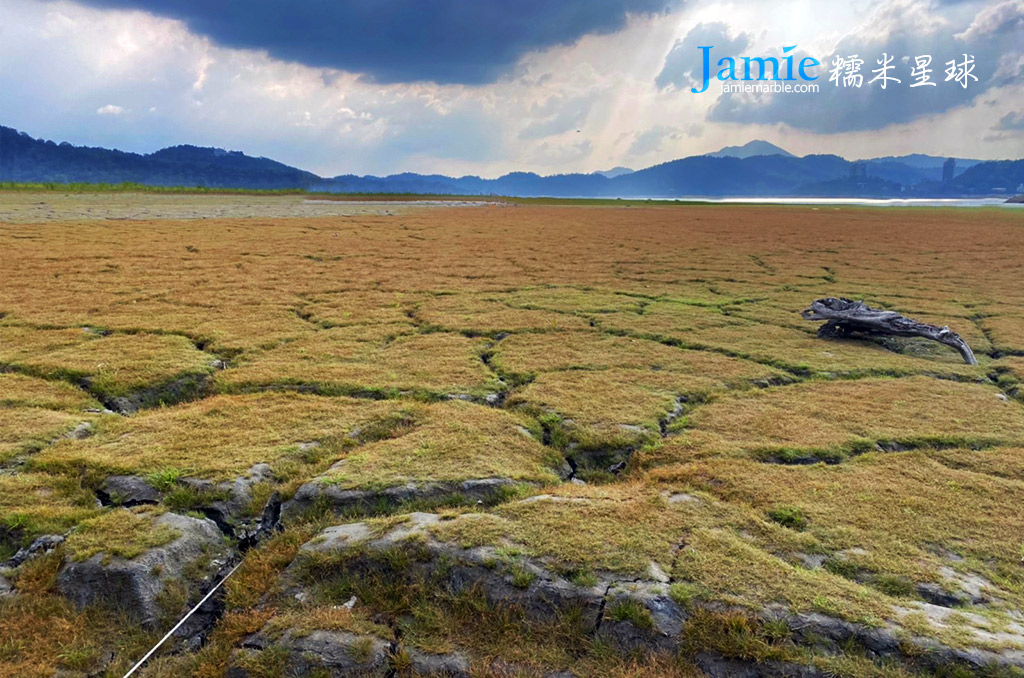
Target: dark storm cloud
445	41
683	61
995	39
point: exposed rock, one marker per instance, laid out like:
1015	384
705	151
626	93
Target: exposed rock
557	499
269	522
339	653
229	505
136	586
830	635
630	614
854	551
655	572
812	561
677	497
454	665
5	587
970	585
717	666
231	512
603	459
525	584
41	545
658	627
499	668
83	430
320	493
976	630
935	594
128	491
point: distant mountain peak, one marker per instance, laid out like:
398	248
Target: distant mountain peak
614	172
750	149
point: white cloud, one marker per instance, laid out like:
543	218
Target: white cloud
109	109
998	18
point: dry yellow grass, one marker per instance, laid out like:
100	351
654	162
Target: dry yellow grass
34	504
834	419
119	533
27	429
43	634
726	551
113	365
18	390
447	442
218	437
491	314
532	353
893	514
436	364
1006	331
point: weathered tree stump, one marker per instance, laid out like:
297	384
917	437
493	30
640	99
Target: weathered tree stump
844	317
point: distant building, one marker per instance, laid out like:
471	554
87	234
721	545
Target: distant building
948	170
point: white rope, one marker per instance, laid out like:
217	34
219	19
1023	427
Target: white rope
182	621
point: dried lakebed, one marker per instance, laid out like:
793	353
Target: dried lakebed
507	441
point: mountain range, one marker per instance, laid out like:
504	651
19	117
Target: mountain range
757	168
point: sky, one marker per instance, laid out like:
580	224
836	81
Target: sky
486	87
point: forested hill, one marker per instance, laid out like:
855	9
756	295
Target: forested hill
754	169
25	159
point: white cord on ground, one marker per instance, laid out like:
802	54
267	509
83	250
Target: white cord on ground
182	621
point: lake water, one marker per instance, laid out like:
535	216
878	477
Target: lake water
877	202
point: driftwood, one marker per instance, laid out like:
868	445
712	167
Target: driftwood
844	317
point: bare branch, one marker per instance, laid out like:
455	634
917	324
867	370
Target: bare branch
844	317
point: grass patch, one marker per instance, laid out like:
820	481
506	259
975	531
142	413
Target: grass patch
453	441
631	611
119	533
434	364
792	517
221	437
114	365
847	417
